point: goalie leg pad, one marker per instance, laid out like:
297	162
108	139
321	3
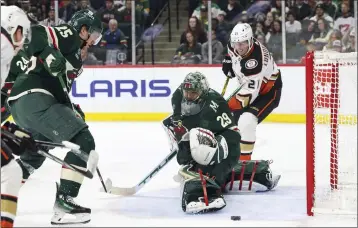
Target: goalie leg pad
192	192
247	125
252	175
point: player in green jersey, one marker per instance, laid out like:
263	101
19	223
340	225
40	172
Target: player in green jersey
18	65
209	147
39	103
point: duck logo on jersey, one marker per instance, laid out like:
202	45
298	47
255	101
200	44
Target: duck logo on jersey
251	64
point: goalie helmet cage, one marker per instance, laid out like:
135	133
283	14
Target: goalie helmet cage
331	133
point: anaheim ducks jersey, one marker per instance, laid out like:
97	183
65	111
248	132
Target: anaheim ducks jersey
7	53
256	73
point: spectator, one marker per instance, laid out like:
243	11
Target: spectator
274	40
345	22
260	17
221	34
215	9
269	21
321	38
97	5
312	4
189	51
292	25
108	13
330	8
217	50
351	46
126	14
349	3
261	38
302	10
203	17
84	4
335	35
320	14
114	38
233	8
50	21
244	17
260	29
307	31
194	26
336	46
68	10
276	7
223	24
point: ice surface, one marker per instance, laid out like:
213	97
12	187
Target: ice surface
128	151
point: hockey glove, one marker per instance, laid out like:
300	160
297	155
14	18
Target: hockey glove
227	67
78	111
21	141
179	130
53	61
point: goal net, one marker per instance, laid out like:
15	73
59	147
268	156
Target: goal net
331	133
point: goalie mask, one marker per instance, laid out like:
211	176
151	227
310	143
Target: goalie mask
194	88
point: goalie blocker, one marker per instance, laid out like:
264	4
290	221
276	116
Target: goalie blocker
209	147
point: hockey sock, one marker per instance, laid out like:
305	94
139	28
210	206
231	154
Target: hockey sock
70	180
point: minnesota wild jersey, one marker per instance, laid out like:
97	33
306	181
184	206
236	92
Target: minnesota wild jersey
37	78
215	116
18	65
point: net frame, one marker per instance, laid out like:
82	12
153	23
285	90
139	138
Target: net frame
331	62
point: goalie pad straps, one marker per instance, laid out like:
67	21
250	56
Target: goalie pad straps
255	171
197	185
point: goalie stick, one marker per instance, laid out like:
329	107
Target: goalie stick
174	150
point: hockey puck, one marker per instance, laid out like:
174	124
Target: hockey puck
236	218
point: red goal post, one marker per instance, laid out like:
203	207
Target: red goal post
331	133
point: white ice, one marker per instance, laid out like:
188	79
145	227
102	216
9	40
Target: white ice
128	151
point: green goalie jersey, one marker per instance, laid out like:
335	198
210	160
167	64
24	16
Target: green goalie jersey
37	78
215	116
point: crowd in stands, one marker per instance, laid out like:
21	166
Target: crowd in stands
115	46
310	25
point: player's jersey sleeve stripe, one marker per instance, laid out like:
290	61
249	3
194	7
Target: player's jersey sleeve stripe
53	38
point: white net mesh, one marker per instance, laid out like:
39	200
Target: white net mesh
335	133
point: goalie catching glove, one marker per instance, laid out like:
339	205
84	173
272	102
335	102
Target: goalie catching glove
205	148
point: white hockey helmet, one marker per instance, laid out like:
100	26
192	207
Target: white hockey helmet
12	17
240	33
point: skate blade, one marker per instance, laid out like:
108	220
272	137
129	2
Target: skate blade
80	218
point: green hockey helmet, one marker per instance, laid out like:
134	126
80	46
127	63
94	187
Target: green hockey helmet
194	86
89	19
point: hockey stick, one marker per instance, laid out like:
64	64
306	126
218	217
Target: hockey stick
86	173
64	87
225	86
174	150
91	159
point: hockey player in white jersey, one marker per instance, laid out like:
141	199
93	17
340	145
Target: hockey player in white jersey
256	72
15	28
